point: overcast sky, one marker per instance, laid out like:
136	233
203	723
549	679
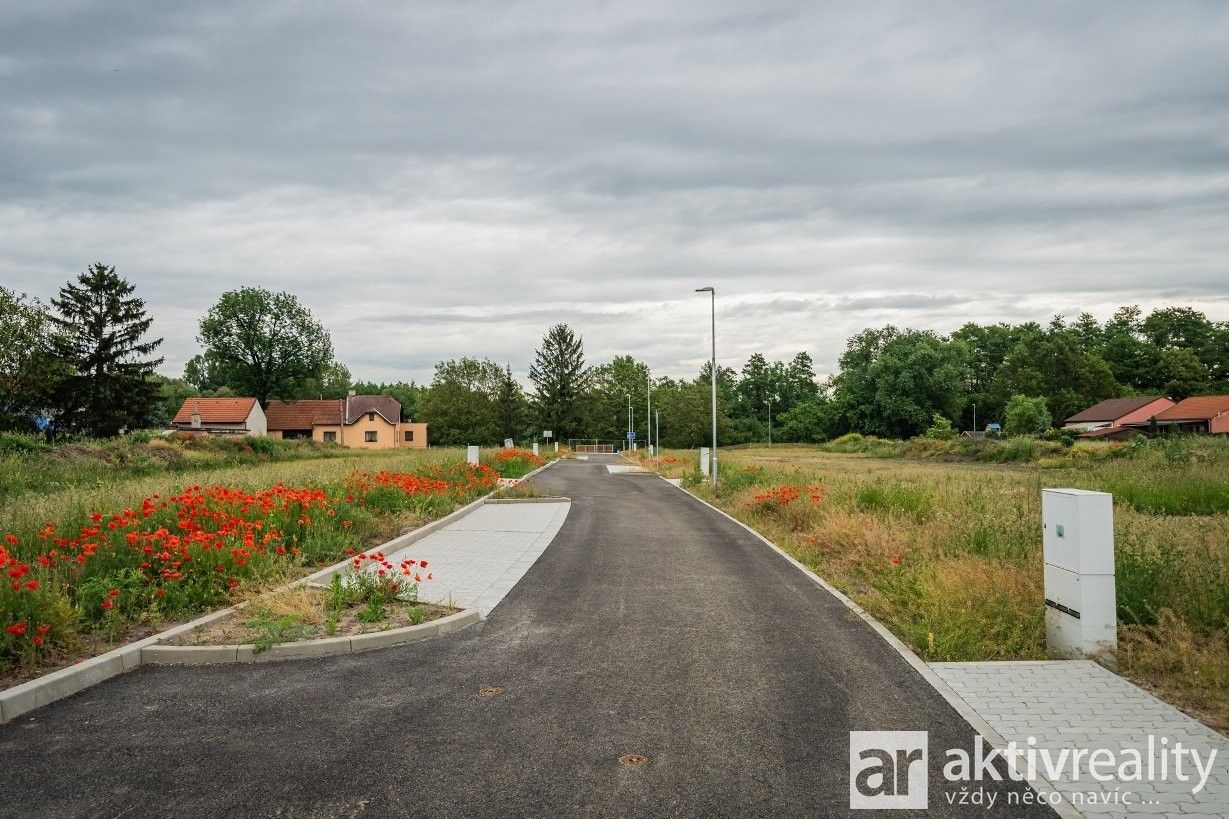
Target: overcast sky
444	179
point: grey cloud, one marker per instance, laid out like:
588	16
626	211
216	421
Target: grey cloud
440	179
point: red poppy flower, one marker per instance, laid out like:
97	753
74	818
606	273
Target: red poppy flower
17	628
106	604
31	584
113	593
38	641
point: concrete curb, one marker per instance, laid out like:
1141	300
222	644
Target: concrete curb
325	647
48	688
1040	784
529	500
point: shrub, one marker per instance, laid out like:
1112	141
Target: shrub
13	443
940	429
1026	416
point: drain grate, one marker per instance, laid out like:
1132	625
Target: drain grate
633	760
490	691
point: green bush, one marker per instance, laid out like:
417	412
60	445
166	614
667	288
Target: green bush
1027	416
14	443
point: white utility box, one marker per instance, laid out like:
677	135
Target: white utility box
535	447
704	461
471	455
1078	545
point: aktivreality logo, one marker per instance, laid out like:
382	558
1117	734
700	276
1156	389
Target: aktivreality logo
888	770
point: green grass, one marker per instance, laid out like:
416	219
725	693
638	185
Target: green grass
29	465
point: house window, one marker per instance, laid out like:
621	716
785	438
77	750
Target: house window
409	436
371	416
370	436
330	437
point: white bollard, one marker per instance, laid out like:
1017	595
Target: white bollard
704	461
535	447
556	446
471	455
1078	546
509	443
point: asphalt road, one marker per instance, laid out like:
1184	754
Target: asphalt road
651	626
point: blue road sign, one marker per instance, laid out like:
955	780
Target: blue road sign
631	435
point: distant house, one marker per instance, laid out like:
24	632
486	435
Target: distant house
357	421
220	416
973	433
1206	413
1118	412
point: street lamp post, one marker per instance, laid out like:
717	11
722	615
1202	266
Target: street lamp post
627	442
648	413
712	463
770	422
975	417
657	437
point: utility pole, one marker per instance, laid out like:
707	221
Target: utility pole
712	465
627	442
975	417
648	412
657	437
770	422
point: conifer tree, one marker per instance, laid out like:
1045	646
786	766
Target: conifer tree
560	378
102	339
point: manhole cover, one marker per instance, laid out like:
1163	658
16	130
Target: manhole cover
633	760
490	691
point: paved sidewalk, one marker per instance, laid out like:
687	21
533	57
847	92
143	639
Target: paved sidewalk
478	559
1078	704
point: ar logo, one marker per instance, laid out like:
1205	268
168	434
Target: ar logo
887	770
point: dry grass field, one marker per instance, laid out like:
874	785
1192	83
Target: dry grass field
948	554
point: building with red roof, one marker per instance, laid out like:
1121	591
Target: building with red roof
357	421
221	416
1203	413
1118	412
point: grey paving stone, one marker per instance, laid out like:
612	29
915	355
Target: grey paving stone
1079	704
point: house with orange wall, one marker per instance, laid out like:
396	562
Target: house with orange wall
356	421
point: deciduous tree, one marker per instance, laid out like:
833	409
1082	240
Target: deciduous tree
29	371
263	344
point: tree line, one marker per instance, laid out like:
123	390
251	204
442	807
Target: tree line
84	364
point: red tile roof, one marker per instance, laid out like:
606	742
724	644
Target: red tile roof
215	410
1112	409
385	405
1201	408
283	415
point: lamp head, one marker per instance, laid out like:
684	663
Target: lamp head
705	290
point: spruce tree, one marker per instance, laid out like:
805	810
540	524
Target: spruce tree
103	328
559	377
